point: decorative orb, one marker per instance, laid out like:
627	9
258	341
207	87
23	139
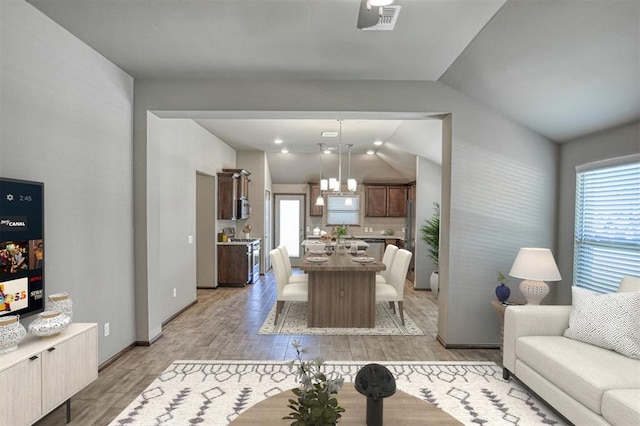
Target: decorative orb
11	333
60	302
49	323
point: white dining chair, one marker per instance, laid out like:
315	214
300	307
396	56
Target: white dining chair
285	291
291	277
393	290
387	260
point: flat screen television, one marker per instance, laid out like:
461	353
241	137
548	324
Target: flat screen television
21	247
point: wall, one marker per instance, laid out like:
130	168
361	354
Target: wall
177	149
67	121
618	142
500	184
428	187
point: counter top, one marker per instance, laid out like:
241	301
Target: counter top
239	242
372	236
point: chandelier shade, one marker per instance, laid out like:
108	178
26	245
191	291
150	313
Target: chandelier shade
334	184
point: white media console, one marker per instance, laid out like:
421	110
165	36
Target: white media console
44	373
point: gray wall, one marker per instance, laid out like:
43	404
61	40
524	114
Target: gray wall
428	187
618	142
66	120
501	185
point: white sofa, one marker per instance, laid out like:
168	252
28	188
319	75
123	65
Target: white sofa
586	384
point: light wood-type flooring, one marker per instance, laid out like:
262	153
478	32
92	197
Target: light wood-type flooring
224	325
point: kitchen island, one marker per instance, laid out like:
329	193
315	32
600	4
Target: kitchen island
342	292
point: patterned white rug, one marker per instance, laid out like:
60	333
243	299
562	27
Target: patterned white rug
293	320
216	392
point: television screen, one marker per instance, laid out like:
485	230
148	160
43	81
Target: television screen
21	247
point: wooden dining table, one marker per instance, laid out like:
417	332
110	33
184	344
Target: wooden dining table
342	292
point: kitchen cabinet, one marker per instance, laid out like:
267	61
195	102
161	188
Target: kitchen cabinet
234	264
233	185
44	373
314	192
386	200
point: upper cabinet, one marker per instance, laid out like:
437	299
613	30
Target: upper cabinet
233	186
386	200
314	192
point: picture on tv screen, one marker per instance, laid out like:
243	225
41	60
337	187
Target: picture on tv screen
22	255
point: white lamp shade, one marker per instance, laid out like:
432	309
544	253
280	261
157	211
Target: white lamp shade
535	264
324	184
352	185
319	201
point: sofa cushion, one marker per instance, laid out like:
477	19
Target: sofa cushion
621	407
611	321
581	370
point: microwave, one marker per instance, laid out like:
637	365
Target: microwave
244	209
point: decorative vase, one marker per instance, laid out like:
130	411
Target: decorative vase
49	323
11	333
503	292
60	302
434	282
247	235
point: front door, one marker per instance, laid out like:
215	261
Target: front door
290	224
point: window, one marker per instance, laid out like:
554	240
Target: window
607	225
343	210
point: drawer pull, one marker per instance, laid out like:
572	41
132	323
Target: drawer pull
33	358
51	349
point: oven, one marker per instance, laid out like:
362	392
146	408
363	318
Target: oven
255	260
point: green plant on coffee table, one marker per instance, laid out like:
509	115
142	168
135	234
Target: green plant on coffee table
315	404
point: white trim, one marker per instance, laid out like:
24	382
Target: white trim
608	163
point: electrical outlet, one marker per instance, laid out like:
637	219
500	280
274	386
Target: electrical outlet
190	239
106	329
175	293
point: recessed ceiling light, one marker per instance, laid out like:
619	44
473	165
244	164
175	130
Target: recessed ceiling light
370	152
284	151
277	141
378	143
329	134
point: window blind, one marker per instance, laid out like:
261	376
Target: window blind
607	226
340	212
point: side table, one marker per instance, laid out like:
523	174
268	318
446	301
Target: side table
500	308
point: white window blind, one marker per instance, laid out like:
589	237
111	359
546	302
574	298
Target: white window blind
607	226
340	211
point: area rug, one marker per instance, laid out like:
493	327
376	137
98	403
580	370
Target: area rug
216	392
293	320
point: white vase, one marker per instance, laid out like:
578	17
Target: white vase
49	323
434	283
11	333
60	302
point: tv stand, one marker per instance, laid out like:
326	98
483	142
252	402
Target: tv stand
44	373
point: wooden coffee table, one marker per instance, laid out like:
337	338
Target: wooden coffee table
399	409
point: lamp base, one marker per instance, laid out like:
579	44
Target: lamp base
534	291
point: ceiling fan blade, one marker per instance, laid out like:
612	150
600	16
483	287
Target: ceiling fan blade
367	17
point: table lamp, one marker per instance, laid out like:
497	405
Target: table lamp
534	266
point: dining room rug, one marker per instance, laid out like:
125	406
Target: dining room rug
216	392
293	320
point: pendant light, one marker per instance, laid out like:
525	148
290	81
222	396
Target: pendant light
320	199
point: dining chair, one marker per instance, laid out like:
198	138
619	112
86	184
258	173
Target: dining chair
393	290
387	259
291	277
285	291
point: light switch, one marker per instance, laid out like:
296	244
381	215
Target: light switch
190	239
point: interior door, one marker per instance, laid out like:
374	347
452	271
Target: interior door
290	224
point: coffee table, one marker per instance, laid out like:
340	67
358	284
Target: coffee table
399	409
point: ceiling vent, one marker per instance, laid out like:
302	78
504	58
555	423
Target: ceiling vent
387	21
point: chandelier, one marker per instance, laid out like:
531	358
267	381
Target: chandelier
334	185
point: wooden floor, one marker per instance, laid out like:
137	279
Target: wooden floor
224	325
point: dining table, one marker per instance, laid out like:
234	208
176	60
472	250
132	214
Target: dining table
342	289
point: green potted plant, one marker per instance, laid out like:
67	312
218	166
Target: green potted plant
315	403
431	235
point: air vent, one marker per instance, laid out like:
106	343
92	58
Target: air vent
387	21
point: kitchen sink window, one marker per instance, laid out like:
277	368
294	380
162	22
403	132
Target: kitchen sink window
343	209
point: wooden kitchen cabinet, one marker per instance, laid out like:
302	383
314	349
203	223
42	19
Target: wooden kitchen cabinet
234	263
314	192
386	200
233	185
375	201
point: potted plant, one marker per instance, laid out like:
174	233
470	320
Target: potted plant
315	403
431	235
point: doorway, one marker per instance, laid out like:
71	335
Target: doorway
290	224
268	232
205	231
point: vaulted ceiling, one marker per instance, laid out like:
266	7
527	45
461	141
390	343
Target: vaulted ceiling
563	68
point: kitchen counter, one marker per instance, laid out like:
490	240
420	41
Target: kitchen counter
372	236
238	242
